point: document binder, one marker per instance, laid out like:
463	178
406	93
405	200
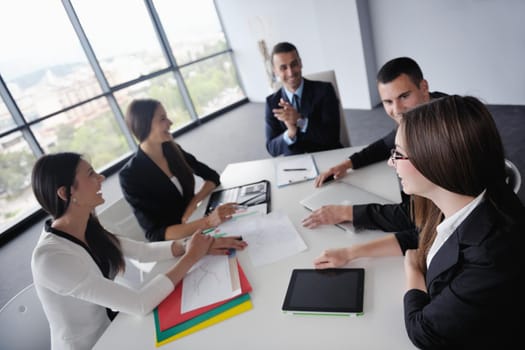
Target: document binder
252	194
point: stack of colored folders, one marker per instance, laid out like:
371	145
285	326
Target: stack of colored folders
171	324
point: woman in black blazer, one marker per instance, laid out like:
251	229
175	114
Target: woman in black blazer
465	268
158	180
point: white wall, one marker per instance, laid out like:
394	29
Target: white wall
472	47
326	33
463	46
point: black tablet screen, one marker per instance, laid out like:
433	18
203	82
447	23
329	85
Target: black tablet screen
330	290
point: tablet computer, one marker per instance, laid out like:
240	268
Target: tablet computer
325	292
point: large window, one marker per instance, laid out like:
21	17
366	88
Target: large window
69	69
123	38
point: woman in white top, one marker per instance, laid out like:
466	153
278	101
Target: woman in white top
76	259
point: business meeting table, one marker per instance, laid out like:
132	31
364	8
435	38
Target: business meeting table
265	326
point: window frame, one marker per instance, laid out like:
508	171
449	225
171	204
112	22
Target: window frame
22	125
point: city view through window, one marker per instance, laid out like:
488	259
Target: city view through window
69	70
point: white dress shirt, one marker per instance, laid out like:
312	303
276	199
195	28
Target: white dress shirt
302	123
75	294
447	227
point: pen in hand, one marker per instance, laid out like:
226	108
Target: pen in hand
232	251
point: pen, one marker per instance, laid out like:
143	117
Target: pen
223	234
295	169
241	206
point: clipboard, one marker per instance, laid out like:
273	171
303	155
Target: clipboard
294	169
250	195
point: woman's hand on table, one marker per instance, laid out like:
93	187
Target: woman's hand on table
220	214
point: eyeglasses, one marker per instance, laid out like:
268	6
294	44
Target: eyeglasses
395	155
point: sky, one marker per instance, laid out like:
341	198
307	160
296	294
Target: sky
37	33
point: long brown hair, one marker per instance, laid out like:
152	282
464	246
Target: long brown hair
139	117
454	142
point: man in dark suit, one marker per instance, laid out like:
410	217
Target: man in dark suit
302	116
401	86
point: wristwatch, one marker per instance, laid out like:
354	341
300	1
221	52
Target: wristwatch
300	123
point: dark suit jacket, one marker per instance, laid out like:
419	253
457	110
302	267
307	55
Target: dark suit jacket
320	105
155	200
388	217
473	285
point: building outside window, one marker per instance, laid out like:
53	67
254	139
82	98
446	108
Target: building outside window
69	69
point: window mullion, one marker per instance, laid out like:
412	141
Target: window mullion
19	119
171	59
99	74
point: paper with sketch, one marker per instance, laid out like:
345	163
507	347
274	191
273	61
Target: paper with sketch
272	237
240	224
209	281
294	169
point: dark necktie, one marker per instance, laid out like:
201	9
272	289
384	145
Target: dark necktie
295	102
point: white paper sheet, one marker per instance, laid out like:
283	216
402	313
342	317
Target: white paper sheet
270	237
208	282
294	169
246	213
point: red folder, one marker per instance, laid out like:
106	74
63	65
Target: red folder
169	308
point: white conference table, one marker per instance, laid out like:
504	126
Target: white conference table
265	326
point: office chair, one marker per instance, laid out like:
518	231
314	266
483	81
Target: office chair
23	323
513	175
329	76
118	218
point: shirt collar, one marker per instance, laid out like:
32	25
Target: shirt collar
447	227
298	92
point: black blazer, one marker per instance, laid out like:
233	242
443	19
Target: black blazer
473	284
155	200
320	105
387	217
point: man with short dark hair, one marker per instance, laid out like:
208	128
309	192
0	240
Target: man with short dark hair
401	87
302	116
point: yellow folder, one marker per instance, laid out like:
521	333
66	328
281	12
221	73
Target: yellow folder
240	308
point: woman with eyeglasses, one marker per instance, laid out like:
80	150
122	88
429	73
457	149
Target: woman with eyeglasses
464	265
76	260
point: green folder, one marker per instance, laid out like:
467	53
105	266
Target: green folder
181	327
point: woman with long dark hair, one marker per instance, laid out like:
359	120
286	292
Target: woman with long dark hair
76	260
158	181
465	268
